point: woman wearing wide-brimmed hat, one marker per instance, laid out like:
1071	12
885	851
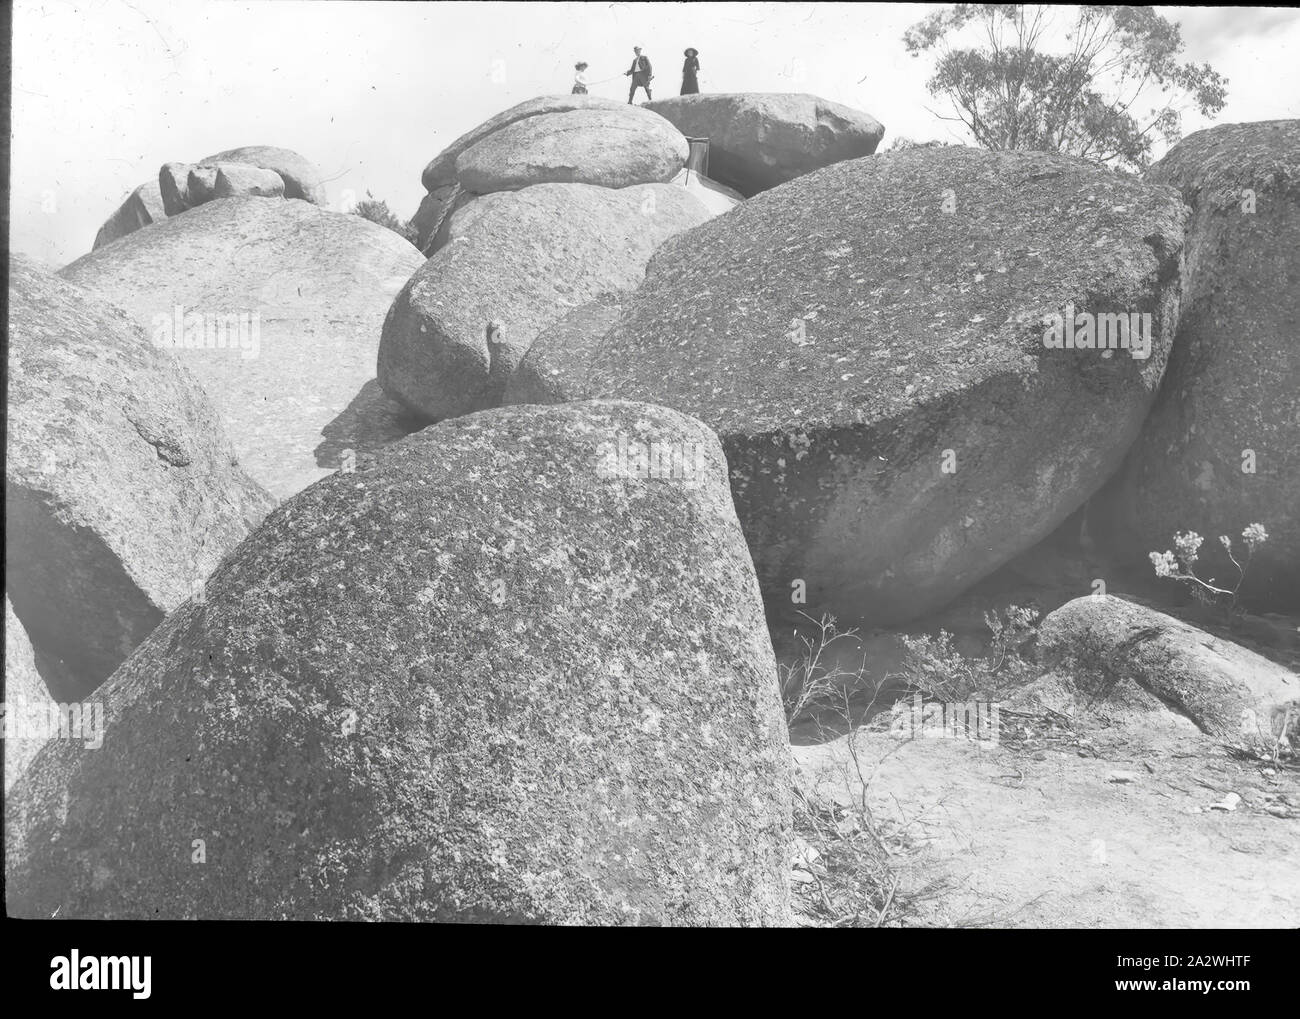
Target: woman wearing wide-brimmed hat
690	70
580	78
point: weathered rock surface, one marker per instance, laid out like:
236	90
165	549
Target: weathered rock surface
234	180
143	207
514	263
301	178
554	369
1123	657
122	489
439	177
291	300
427	691
758	140
185	187
25	695
1233	383
201	184
609	148
441	170
254	171
429	215
174	185
876	367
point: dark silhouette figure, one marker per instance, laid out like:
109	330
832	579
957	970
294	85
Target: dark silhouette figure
642	74
690	72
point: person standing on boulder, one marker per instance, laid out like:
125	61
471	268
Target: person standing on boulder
690	72
642	74
580	78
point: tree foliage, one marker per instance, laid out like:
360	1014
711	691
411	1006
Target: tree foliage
1111	86
377	211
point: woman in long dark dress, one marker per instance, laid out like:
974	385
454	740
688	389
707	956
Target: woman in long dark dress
690	69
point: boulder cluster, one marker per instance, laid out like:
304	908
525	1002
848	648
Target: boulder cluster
439	582
262	171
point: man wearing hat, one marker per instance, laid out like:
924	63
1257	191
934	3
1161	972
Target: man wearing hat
641	74
690	83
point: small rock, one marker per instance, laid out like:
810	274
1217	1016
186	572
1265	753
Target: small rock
1122	777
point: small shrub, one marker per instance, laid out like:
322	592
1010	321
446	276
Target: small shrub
1180	565
377	211
813	684
936	668
902	144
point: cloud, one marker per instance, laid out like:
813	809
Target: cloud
1208	30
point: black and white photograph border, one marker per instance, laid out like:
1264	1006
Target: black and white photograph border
724	465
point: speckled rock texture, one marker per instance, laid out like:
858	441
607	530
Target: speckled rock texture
122	490
609	148
185	187
174	186
143	207
758	140
319	283
256	170
1233	382
442	168
233	180
519	260
1118	650
301	178
433	690
430	214
876	366
439	177
555	368
25	692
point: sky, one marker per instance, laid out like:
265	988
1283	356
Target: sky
106	91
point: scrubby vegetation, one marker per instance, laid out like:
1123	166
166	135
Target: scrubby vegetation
1180	565
377	211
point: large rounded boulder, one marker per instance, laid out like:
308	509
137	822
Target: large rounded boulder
257	170
276	307
441	170
1221	449
550	139
122	490
301	178
515	262
428	691
609	148
881	346
758	140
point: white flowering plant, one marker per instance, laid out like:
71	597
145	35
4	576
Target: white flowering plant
1180	564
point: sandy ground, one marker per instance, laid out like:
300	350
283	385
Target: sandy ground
1037	834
